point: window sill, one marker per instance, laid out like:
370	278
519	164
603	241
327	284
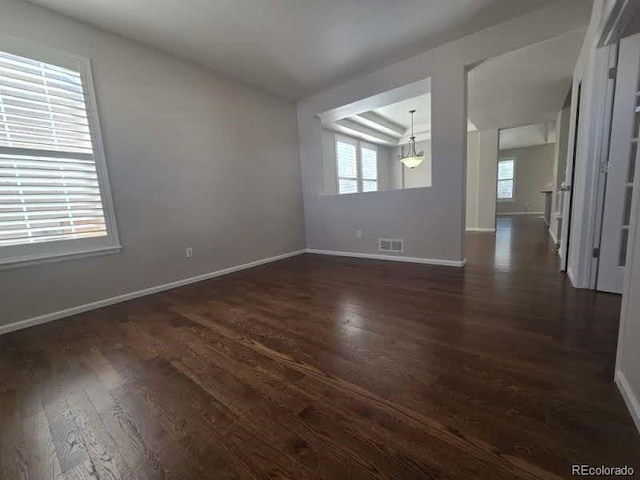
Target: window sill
30	260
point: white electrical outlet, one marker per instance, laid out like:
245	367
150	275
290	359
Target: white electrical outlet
359	233
189	252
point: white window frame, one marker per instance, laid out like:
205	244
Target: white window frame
359	145
513	179
25	254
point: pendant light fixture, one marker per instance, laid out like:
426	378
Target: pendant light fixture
412	159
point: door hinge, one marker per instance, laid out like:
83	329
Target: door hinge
596	252
604	167
612	73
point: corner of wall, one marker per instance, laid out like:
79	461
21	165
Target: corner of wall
629	397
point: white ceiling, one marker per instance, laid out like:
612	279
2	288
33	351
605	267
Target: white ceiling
390	124
525	86
399	112
293	47
528	135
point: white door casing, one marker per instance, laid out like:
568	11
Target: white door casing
565	188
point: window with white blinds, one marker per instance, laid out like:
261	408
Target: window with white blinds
506	176
52	176
347	167
369	160
357	166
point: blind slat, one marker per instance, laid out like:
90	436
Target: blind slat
13	70
96	212
52	140
52	238
23	99
30	231
50	130
46	95
37	114
45	173
47	163
43	197
47	190
31	85
17	182
51	222
36	206
27	121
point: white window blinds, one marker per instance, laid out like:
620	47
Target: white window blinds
49	185
506	170
369	169
347	167
357	165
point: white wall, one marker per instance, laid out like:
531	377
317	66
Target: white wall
194	160
534	172
473	165
431	220
482	164
487	178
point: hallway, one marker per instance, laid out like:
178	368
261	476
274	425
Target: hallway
322	367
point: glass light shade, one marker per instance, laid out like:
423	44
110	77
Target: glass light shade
412	162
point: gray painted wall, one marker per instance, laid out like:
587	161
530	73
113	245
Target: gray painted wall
473	159
534	172
430	220
482	161
487	177
194	159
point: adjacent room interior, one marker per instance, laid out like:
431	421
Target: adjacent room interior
275	240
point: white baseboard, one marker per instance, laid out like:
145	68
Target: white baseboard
393	258
633	403
482	230
50	317
571	279
506	214
553	237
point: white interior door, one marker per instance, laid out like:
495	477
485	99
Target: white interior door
623	150
567	197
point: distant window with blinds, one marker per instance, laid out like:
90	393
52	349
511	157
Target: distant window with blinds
357	166
347	167
369	160
50	180
506	171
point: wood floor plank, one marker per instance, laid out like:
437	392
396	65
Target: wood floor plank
69	446
42	461
13	457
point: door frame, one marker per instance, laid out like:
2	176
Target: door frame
570	174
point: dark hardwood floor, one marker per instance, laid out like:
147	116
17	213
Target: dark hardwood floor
323	367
